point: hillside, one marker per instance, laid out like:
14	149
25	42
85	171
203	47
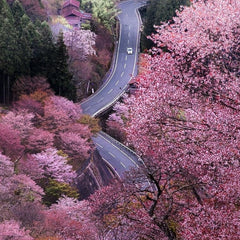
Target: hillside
182	119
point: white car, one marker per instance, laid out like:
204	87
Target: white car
129	51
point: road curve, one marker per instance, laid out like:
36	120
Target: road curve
116	155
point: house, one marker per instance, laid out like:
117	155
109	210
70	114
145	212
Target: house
71	12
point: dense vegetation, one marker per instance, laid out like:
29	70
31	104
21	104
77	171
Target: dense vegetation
158	11
44	140
183	120
30	48
27	49
104	11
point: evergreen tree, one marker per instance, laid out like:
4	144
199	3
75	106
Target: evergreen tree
8	50
59	76
25	33
43	50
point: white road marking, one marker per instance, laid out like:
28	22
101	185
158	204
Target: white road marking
112	73
120	151
123	164
128	41
125	65
110	91
126	58
117	83
122	74
99	145
87	108
100	100
133	71
112	154
129	34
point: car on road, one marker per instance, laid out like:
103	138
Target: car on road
129	51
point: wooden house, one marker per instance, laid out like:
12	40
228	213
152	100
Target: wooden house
71	12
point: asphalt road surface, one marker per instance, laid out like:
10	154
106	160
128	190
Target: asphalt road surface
117	156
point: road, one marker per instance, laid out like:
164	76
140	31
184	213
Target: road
118	156
115	154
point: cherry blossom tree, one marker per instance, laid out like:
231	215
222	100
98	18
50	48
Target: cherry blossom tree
55	166
115	122
75	141
80	44
59	224
184	123
12	230
78	214
74	145
6	167
205	50
10	142
68	219
81	47
29	104
16	190
39	140
59	111
34	139
82	128
29	214
20	121
30	166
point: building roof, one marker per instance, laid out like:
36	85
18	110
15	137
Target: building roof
71	2
71	12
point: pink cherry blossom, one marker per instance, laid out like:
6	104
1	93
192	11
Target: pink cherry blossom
55	165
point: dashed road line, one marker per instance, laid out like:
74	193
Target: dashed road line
112	154
100	100
122	74
123	164
125	65
126	58
110	91
116	82
120	151
99	145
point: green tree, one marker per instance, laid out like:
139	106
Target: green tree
54	190
103	11
157	12
8	49
25	33
43	50
92	123
59	76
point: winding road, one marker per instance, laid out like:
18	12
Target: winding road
116	155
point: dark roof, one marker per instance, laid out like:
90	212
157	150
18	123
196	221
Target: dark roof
71	2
